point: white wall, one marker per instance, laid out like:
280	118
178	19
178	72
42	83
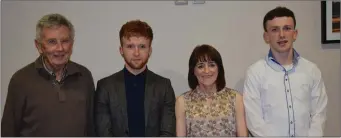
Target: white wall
234	28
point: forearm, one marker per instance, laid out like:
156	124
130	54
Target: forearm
242	132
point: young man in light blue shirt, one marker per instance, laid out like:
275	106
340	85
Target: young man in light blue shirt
284	93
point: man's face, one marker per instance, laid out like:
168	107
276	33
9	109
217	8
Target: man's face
280	34
55	45
136	51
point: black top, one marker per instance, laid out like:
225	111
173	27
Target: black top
135	89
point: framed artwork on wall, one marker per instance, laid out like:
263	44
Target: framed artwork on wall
330	22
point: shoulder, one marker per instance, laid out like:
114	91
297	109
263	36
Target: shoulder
84	74
257	66
186	94
24	73
156	77
256	71
180	99
309	67
108	80
231	92
307	64
179	105
161	84
184	97
79	66
82	69
22	78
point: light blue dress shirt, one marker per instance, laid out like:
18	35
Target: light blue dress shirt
285	101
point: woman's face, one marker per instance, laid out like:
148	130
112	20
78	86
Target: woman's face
206	73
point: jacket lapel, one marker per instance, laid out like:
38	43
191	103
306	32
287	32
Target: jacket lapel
121	97
148	95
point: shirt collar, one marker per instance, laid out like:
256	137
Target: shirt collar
70	68
50	71
271	61
128	73
294	60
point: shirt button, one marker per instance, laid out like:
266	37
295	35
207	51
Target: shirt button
287	90
286	79
292	135
291	122
289	106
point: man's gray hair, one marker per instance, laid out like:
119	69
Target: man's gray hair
53	20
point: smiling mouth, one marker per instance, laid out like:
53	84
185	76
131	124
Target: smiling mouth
207	76
59	56
282	43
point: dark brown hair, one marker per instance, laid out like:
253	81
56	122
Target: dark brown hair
203	53
278	12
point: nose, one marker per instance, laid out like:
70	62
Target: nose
206	69
136	51
281	33
59	47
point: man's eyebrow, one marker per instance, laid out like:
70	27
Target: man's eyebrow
287	25
274	27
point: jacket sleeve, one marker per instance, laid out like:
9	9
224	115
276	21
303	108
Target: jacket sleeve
90	105
103	125
168	112
13	111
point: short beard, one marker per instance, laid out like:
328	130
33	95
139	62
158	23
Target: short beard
131	65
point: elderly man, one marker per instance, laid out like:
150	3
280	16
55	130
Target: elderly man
51	96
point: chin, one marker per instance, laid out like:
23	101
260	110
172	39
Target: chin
59	63
137	67
208	83
280	49
284	50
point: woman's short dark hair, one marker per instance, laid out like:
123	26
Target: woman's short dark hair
203	53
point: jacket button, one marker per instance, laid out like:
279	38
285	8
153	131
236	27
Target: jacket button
127	132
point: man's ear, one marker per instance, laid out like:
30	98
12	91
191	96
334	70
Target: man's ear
295	34
38	46
121	50
150	50
266	37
